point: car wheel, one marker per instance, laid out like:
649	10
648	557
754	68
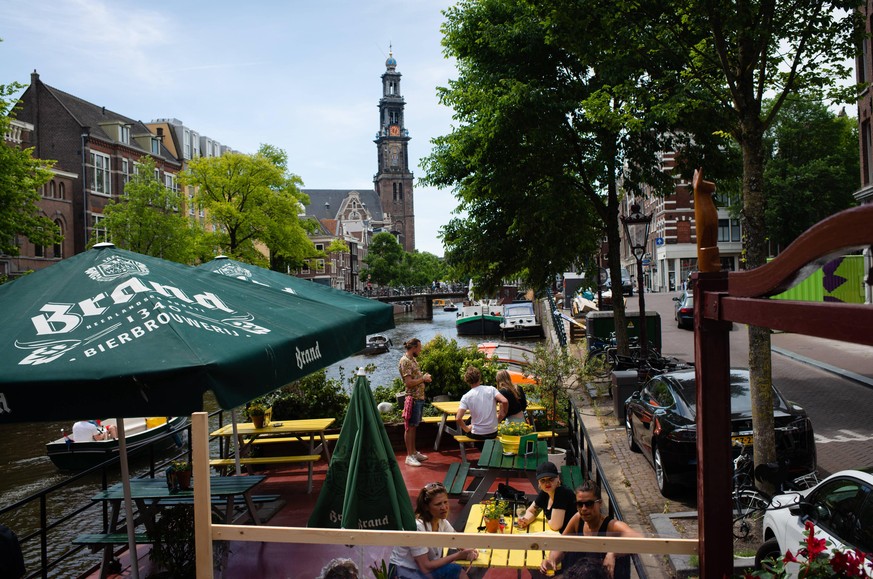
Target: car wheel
667	488
768	555
629	430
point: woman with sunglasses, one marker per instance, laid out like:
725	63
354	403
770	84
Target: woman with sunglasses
431	510
556	500
590	521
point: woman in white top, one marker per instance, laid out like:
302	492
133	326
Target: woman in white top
431	510
482	402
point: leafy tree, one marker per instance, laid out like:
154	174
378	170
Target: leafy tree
446	362
254	200
553	128
21	176
421	268
147	219
384	260
729	56
812	169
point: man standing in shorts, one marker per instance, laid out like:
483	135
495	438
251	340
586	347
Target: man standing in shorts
414	381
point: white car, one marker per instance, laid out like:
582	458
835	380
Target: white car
840	507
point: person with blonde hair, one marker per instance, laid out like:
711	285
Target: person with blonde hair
514	394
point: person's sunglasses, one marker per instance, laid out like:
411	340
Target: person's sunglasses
587	504
434	486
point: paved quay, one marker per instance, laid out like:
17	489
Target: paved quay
826	377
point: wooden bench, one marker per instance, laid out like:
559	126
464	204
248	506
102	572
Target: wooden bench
98	540
572	476
225	462
456	478
274	439
217	500
432	419
463	439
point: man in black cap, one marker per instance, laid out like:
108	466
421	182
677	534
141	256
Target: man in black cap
558	502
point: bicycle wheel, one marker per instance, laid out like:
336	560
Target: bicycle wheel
749	509
597	364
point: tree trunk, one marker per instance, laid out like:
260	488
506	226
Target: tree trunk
755	248
614	240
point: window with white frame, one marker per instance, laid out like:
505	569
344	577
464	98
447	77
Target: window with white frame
98	230
305	268
191	200
125	171
195	143
187	139
100	173
124	134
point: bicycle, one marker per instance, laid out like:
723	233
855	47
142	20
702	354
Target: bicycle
749	502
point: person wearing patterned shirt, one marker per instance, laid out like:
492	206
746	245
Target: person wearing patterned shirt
413	407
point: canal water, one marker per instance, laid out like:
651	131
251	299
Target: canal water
26	468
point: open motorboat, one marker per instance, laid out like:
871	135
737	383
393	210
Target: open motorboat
68	454
520	321
376	344
450	307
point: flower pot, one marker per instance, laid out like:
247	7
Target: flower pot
183	477
492	525
258	421
510	443
558	456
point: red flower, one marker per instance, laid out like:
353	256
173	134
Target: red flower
814	546
789	558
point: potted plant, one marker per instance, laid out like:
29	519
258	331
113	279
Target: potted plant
510	433
182	472
492	511
256	413
558	375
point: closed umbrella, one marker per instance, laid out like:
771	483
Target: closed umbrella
114	333
364	488
380	316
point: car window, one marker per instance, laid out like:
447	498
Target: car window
864	527
836	508
657	393
741	398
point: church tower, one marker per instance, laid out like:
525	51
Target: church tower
393	182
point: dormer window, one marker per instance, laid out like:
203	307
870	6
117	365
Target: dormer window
156	146
124	134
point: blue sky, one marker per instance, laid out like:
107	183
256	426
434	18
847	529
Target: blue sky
303	76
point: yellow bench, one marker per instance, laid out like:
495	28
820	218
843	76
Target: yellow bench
223	462
275	439
432	419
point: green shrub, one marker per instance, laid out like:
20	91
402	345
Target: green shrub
446	362
315	396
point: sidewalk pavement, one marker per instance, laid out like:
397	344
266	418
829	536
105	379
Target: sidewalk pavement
632	479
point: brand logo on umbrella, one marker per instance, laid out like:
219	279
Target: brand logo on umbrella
233	270
115	267
3	406
308	356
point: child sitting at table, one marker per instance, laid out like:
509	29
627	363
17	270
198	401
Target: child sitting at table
431	510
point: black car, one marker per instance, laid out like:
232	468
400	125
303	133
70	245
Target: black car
660	423
684	314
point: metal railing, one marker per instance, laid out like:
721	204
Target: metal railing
61	527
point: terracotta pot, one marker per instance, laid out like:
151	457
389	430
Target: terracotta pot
492	525
258	421
510	443
183	477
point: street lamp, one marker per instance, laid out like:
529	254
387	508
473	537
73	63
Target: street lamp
636	230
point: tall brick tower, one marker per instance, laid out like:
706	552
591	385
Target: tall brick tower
393	181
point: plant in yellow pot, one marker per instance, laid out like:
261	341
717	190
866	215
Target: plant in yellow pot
492	510
256	413
510	433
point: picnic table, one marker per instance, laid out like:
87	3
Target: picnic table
305	430
494	464
449	410
507	558
151	495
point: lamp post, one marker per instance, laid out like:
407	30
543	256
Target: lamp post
636	229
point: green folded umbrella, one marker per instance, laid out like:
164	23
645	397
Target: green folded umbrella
364	488
379	316
109	332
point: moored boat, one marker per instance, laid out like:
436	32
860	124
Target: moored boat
450	307
512	354
68	454
520	321
479	319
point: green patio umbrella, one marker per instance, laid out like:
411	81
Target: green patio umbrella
363	488
109	332
113	333
380	316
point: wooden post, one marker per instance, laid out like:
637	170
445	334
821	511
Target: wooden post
712	362
202	494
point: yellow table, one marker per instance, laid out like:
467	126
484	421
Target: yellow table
302	430
507	558
450	409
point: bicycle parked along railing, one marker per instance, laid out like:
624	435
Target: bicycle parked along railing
749	502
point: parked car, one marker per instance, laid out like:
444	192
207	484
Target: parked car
840	507
627	285
684	314
660	423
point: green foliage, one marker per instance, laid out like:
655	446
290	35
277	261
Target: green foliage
812	169
148	219
384	259
255	201
508	428
558	374
174	541
315	395
446	362
21	177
